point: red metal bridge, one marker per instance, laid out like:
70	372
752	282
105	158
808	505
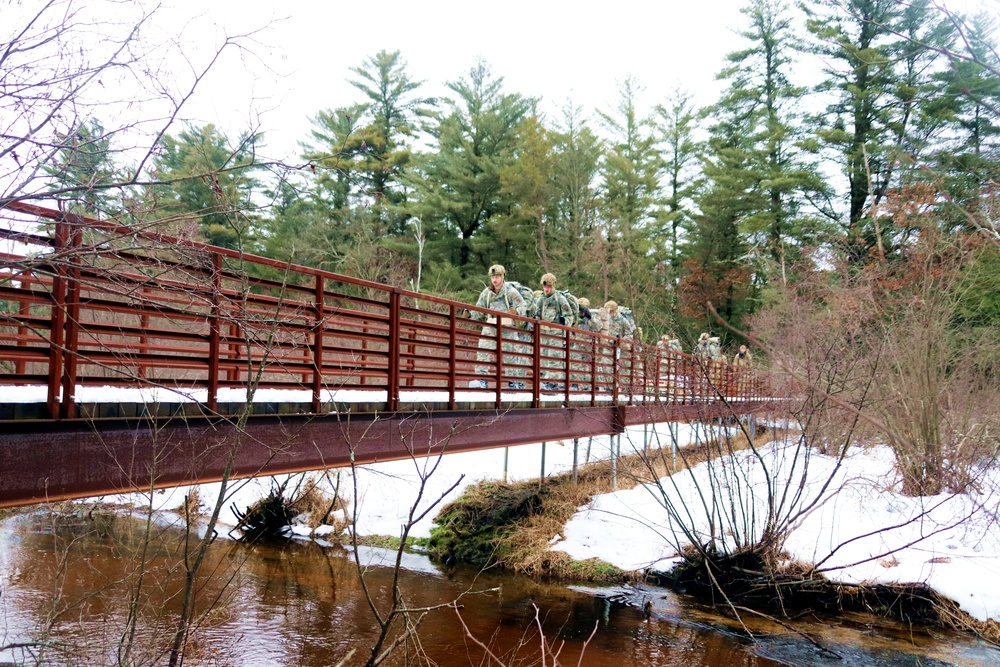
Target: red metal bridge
130	359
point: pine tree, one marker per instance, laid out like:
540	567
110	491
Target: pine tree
630	190
83	171
678	121
209	182
392	113
877	72
577	155
762	98
527	180
457	189
335	145
969	99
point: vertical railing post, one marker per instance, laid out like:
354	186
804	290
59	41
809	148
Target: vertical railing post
395	299
594	341
67	408
23	311
57	320
615	352
499	360
214	337
452	355
657	360
144	324
536	364
566	343
631	371
319	309
234	346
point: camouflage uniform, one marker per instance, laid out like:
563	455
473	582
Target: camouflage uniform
618	326
743	370
669	347
710	352
552	307
668	343
586	316
505	299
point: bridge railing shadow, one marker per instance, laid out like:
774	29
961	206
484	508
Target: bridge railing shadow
88	303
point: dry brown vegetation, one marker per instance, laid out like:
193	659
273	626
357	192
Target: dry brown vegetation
511	525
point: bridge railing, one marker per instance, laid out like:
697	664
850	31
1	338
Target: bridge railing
87	303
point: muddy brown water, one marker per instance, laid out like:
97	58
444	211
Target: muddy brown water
74	582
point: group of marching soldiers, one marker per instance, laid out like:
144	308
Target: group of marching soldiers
550	305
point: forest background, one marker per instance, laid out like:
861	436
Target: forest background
845	130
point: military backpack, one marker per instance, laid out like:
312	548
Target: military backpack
574	306
527	293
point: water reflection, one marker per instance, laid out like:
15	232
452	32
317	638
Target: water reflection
79	581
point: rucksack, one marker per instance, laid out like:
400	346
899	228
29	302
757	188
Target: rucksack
574	305
527	293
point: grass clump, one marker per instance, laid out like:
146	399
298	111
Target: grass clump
512	526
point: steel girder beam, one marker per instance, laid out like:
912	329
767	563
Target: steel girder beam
58	460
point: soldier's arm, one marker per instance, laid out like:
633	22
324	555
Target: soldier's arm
482	302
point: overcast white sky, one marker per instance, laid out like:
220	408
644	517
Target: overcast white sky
557	51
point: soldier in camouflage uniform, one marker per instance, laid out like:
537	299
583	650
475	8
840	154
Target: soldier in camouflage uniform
743	370
585	314
598	320
503	297
618	325
668	343
709	351
670	367
552	307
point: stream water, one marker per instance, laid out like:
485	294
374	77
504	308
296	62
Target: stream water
74	584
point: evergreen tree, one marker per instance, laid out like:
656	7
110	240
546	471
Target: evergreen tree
84	170
763	100
677	124
716	273
335	145
876	76
457	189
209	182
392	112
528	181
630	190
969	99
577	153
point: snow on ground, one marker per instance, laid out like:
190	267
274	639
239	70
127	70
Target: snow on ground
848	518
859	528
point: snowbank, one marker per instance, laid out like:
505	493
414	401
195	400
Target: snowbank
859	529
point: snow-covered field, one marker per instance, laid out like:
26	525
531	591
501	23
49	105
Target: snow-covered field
861	529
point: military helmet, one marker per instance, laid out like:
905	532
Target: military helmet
549	279
703	336
611	305
497	270
538	293
584	302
